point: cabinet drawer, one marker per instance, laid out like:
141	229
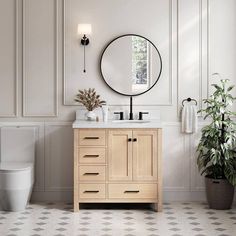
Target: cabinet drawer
92	137
91	191
92	155
132	191
92	173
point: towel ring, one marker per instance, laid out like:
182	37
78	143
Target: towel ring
189	100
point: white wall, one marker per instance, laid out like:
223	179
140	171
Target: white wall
41	69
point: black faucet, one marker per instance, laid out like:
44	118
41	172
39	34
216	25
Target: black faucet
131	117
121	113
140	115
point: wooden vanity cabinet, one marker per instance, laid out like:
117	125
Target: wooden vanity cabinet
120	155
117	165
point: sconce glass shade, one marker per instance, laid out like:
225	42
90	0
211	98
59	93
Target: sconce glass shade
84	29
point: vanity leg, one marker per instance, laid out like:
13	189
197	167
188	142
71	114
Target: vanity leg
157	207
76	207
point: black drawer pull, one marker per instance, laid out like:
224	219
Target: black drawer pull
134	140
129	139
131	191
91	191
91	173
91	137
91	156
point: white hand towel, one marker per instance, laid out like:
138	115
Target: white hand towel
189	118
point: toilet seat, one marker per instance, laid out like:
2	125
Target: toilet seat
15	166
16	175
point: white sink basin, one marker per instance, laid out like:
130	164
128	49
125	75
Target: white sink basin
131	121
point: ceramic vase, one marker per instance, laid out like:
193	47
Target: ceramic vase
90	116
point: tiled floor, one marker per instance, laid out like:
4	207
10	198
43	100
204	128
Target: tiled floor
188	219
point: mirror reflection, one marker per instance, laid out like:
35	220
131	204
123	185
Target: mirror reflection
131	65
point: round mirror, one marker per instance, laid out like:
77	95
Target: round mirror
131	65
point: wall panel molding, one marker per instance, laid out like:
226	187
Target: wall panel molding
58	156
221	41
176	160
171	61
204	46
199	25
188	146
40	159
197	181
40	93
15	62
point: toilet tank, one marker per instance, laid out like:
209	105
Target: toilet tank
18	144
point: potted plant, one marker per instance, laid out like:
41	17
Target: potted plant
216	149
91	100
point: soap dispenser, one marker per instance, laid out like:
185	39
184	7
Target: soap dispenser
105	113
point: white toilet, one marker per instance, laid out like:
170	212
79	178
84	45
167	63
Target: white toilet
16	167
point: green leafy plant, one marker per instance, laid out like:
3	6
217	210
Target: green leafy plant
89	98
216	149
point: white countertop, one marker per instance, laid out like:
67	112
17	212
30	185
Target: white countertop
117	124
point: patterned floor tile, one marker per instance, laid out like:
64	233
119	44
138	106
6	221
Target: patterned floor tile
177	219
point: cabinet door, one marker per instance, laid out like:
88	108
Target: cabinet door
145	155
120	154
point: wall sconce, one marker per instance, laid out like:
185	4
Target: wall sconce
84	29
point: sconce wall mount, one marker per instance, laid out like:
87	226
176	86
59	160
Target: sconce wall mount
85	41
84	29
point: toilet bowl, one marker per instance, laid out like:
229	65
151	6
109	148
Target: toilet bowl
16	182
16	167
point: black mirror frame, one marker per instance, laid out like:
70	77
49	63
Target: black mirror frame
130	95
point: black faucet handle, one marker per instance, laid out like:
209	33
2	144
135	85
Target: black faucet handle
140	115
121	113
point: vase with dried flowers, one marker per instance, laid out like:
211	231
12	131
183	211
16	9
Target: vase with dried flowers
91	100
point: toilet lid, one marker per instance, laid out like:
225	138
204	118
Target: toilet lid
14	166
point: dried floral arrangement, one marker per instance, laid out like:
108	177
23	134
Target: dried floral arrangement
90	99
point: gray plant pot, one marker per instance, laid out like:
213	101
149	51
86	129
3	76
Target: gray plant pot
220	193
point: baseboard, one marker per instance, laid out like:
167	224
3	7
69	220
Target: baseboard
187	196
52	196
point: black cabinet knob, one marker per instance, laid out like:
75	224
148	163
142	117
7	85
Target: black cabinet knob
129	139
134	140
